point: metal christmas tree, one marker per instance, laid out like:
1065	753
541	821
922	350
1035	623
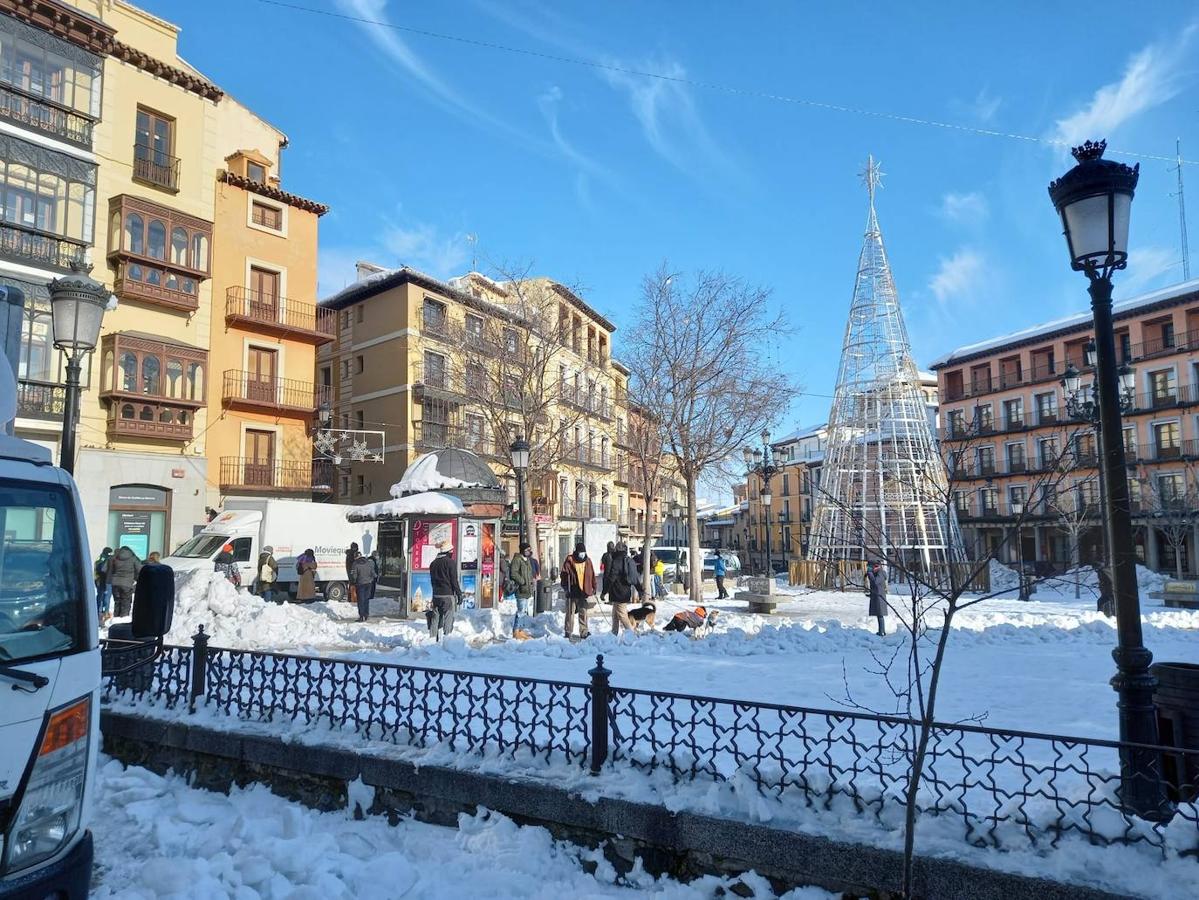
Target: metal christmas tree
883	487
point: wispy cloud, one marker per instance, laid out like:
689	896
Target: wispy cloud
1151	77
982	108
958	276
420	245
550	102
667	113
1148	268
967	208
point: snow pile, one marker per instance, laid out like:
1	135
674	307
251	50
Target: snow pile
1003	578
422	475
161	838
428	503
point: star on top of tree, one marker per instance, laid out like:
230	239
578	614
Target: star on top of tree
872	175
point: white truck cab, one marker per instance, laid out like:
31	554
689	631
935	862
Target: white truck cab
49	678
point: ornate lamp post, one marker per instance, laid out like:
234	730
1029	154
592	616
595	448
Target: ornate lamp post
520	465
761	463
1094	200
676	515
1083	406
77	305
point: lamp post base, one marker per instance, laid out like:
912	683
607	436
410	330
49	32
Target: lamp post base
1142	791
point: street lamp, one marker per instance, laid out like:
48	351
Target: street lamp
761	463
1083	406
1094	201
77	305
520	464
676	514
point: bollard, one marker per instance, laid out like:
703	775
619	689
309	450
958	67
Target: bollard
599	714
199	667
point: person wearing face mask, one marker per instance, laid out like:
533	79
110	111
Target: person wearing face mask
578	584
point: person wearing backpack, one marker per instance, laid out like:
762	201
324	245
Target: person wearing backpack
268	573
619	583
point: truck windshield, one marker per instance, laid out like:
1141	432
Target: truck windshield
43	602
668	556
202	546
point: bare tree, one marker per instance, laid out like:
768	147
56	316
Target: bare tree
715	388
508	373
933	598
1077	511
1171	506
645	438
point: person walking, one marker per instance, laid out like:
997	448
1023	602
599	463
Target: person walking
351	555
100	573
447	594
876	590
306	569
363	574
619	584
520	577
719	568
659	569
123	567
607	555
268	573
226	566
377	568
578	583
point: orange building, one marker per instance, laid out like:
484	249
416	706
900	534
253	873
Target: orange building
266	327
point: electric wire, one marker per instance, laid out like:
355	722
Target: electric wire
716	86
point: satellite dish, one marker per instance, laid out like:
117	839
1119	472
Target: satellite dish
8	393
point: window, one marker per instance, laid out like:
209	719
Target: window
1161	387
510	340
359	485
326	376
476	376
1013	412
1167	442
345	369
986	419
51	193
266	216
957	423
1017	496
256	172
360	314
1124	346
474	330
345	318
1015	458
359	419
986	460
1084	448
154	143
989	501
360	364
474	432
433	317
1046	408
343	485
1168	334
1130	442
1047	451
435	370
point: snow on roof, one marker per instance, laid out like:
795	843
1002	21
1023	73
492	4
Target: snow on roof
810	431
425	475
927	376
1077	320
430	503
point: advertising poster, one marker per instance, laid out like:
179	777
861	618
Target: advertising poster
133	531
468	591
420	591
468	547
487	585
426	535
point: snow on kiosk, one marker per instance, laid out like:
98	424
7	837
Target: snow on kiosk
446	495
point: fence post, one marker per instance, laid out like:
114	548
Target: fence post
199	667
599	714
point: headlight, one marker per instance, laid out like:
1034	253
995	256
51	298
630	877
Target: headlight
53	799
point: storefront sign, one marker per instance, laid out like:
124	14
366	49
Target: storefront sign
136	496
427	534
468	545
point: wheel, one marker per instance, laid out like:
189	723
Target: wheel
335	591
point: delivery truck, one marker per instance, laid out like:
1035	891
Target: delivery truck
288	527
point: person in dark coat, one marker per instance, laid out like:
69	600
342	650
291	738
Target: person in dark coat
520	576
620	583
876	590
123	567
100	571
447	594
364	575
606	557
352	554
306	568
578	583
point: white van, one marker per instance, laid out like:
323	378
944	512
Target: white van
671	555
289	527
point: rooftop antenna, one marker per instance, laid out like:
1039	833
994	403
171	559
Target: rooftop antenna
1182	213
473	239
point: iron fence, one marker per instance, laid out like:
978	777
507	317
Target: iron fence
996	788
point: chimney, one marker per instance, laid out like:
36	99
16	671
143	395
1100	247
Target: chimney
366	269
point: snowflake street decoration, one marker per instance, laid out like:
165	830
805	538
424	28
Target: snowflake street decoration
348	445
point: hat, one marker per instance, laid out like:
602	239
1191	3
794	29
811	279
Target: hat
445	546
228	548
268	549
621	547
580	547
524	545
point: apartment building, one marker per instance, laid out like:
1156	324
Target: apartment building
645	507
1005	423
793	496
113	150
408	358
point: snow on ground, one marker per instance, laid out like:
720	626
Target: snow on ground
157	837
1042	665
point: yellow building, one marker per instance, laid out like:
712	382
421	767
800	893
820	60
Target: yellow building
121	153
400	363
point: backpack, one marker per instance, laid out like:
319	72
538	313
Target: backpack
616	582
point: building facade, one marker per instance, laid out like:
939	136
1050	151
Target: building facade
125	174
792	498
402	364
1005	424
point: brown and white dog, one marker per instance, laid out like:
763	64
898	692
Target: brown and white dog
643	615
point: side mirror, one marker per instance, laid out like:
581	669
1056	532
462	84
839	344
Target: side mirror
153	602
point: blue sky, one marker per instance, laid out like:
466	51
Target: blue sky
595	176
